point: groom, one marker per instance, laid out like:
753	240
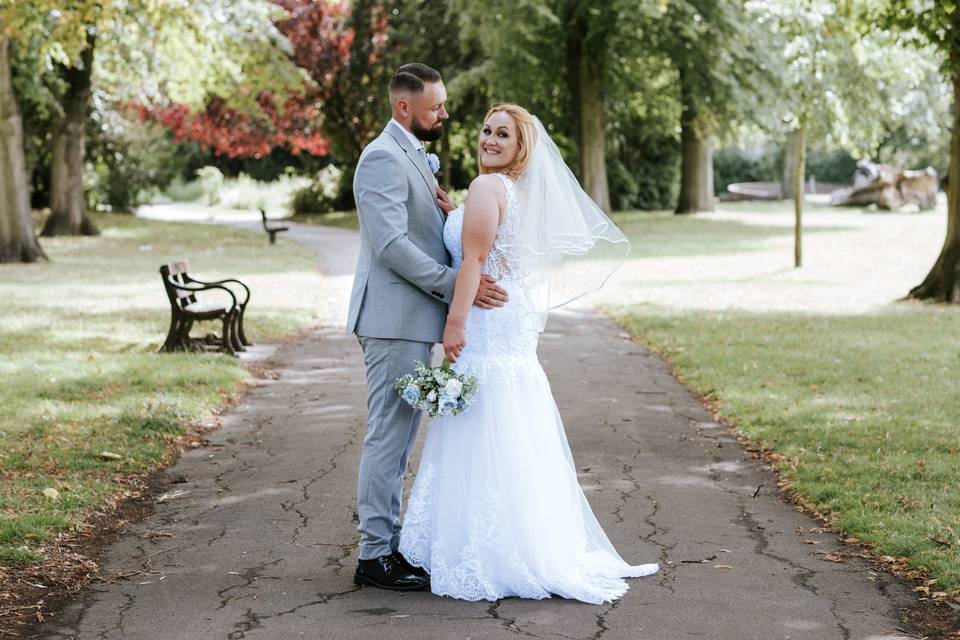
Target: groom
398	307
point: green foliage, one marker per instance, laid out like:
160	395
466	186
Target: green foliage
127	159
320	196
211	179
180	190
927	22
835	166
761	163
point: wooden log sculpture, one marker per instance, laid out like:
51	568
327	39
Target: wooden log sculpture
888	187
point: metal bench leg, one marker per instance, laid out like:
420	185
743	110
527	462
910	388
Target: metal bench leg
234	335
240	331
226	342
273	237
184	338
168	344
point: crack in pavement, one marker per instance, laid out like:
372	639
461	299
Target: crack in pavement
601	621
250	622
666	566
802	574
305	489
510	624
249	575
129	600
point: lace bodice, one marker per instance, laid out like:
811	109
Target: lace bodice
500	341
498	262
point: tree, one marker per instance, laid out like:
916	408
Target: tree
18	240
563	48
430	31
233	133
134	47
68	205
343	47
935	23
815	39
712	46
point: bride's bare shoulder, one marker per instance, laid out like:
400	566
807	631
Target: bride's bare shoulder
486	186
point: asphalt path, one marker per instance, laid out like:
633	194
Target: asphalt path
255	536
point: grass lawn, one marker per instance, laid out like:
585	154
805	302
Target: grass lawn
339	219
863	410
78	338
853	396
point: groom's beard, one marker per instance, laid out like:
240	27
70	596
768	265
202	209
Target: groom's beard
427	135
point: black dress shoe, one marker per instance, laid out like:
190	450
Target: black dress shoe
386	572
415	570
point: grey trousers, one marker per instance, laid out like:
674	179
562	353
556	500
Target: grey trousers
391	431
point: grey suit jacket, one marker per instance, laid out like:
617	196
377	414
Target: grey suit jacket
403	282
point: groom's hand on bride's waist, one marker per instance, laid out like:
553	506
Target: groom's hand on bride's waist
489	295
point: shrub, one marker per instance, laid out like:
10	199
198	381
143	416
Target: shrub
758	163
322	195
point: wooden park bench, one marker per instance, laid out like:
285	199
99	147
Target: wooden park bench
273	230
185	309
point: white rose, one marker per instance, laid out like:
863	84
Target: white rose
454	388
432	395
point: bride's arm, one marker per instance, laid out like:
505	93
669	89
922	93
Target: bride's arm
480	217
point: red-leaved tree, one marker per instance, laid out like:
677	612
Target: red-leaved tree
345	49
229	132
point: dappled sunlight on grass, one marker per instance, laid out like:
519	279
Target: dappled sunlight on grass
741	256
79	340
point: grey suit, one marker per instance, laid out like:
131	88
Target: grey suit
398	308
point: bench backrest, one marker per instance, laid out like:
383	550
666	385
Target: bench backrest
176	273
263	217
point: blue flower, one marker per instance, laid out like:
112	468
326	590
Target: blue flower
433	162
446	405
411	394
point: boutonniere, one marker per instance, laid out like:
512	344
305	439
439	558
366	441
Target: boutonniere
433	162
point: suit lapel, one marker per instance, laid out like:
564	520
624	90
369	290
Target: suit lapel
418	160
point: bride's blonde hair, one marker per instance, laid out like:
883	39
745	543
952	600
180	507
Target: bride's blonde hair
526	138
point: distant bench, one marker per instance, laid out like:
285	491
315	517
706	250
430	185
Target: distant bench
272	229
185	309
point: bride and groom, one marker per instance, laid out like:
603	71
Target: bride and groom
496	509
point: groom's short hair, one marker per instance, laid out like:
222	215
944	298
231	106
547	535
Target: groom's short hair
412	76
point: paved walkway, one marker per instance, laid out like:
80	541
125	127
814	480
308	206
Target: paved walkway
257	537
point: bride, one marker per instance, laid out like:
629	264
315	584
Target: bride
496	509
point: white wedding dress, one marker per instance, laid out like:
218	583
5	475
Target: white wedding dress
496	509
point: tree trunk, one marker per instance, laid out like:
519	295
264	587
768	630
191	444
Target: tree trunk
68	211
18	240
593	161
587	74
696	171
799	170
790	156
696	157
943	281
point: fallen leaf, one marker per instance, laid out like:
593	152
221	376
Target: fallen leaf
722	566
812	541
109	455
51	493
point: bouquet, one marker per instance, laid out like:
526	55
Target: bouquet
440	391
